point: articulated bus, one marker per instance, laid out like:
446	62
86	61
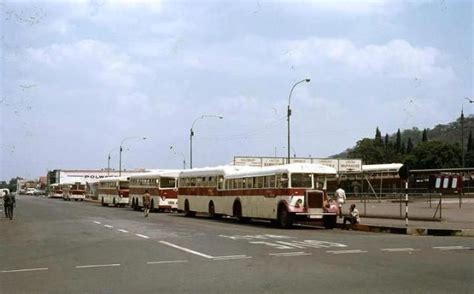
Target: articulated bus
55	191
161	185
75	191
114	191
283	194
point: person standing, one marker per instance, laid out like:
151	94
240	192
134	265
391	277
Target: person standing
8	204
146	203
340	195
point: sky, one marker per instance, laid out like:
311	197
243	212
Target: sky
79	77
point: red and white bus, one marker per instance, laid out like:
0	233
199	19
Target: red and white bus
162	186
55	191
75	191
283	194
113	191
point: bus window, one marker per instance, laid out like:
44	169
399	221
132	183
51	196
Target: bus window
454	183
438	183
282	181
446	183
259	182
220	182
167	182
300	180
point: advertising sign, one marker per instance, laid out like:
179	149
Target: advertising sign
350	165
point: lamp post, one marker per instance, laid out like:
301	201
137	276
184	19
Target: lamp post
180	153
121	149
191	134
289	113
108	161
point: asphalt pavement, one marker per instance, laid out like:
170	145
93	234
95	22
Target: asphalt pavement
53	246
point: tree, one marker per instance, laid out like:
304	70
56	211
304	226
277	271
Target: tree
409	146
378	136
367	150
387	140
470	143
398	143
424	138
435	154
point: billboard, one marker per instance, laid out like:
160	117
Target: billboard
340	165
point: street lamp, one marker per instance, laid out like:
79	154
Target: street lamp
191	134
121	149
289	113
108	159
180	153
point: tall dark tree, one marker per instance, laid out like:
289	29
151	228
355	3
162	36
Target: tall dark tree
403	148
424	138
378	136
398	143
470	143
409	146
387	140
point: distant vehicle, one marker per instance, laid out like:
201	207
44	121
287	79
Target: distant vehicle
30	191
162	186
39	192
283	194
114	191
55	191
75	191
3	192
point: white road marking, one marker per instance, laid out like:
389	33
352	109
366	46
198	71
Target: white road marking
98	265
452	248
288	254
26	270
108	226
166	261
399	249
186	249
123	231
97	222
231	257
143	236
346	251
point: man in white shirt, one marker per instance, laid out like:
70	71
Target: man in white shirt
340	195
353	217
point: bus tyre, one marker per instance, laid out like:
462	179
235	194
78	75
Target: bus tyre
102	202
329	221
114	202
285	219
187	211
152	205
212	211
237	209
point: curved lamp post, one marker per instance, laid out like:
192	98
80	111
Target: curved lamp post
289	112
180	153
191	134
121	149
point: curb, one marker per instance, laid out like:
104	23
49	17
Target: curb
412	231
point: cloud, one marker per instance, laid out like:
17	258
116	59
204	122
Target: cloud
397	58
354	7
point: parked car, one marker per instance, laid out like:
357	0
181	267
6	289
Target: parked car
30	191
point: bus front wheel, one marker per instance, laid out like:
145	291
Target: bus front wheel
285	219
187	211
102	202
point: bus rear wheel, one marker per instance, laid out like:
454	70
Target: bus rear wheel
102	202
285	219
212	210
187	211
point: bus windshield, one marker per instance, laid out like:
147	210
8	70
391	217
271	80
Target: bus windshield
168	183
300	180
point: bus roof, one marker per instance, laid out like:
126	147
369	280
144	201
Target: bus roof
251	171
387	167
170	173
113	179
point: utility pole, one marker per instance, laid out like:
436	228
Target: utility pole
462	135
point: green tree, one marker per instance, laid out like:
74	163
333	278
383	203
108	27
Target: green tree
367	150
424	137
435	154
378	136
387	140
409	146
470	143
398	143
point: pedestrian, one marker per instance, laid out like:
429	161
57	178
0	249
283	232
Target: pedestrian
353	217
9	203
340	195
146	203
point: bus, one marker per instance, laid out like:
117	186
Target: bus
113	190
162	187
283	194
75	191
55	191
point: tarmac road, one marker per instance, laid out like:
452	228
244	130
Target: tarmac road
52	246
